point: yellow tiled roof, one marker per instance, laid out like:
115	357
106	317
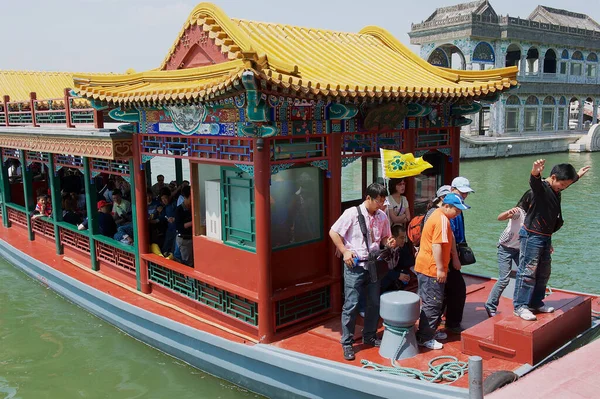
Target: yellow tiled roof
47	85
371	63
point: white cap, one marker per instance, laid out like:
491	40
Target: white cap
462	184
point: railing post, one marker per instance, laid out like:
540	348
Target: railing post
56	202
32	98
67	96
27	187
6	100
139	208
90	192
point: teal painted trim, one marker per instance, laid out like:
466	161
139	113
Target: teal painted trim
178	170
56	204
27	191
90	191
256	107
16	207
69	226
128	128
341	111
97	105
465	109
114	243
120	115
134	249
238	246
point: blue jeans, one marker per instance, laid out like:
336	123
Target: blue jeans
385	285
122	230
506	257
356	279
534	270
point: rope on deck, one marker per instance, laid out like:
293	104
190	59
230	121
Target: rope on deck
445	372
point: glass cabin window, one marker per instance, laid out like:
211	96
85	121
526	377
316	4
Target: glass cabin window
548	119
576	69
238	209
512	120
296	206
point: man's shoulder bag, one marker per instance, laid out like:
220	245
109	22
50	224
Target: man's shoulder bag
375	266
465	254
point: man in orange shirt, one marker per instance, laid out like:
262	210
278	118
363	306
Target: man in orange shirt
431	267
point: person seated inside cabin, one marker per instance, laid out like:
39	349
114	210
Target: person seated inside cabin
124	234
14	170
80	202
125	187
70	215
107	190
121	208
72	181
183	222
106	223
180	198
42	208
160	184
154	207
167	222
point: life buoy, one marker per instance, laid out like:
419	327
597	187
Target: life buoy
498	380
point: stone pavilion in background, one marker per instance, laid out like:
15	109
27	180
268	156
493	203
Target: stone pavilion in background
556	52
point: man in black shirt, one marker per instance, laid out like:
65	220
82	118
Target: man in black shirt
544	217
183	223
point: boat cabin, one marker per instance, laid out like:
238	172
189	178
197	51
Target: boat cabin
281	127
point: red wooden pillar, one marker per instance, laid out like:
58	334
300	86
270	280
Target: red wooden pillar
99	120
67	95
455	154
335	210
262	203
6	100
141	214
32	98
363	175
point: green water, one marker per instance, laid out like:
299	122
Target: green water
50	348
498	185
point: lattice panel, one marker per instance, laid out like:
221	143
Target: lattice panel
116	257
431	138
33	156
43	227
82	116
74	240
302	306
216	298
50	117
298	148
10	153
117	167
237	150
2	118
17	217
68	161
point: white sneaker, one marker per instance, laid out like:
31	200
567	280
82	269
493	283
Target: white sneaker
524	313
440	335
544	309
80	227
431	344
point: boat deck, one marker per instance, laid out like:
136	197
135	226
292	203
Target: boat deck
322	341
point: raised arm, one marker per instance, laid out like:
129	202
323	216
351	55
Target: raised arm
508	214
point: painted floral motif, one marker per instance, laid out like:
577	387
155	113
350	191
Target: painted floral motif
397	163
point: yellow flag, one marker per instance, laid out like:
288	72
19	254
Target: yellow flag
397	165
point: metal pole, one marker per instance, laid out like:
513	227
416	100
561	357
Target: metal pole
475	377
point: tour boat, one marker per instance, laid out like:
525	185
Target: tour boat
268	116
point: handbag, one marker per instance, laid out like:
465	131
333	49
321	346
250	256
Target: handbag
374	264
465	254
